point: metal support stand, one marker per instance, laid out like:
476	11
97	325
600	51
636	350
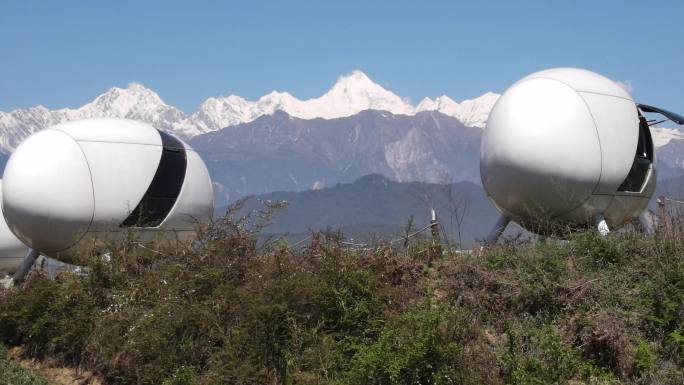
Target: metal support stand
436	249
434	228
497	230
647	222
25	266
601	225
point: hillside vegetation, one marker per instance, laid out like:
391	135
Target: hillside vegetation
226	310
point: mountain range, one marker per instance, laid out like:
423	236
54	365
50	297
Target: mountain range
281	152
281	143
350	95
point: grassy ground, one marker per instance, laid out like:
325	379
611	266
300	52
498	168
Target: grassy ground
12	373
224	311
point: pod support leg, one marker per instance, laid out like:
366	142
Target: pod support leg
647	222
601	225
498	229
25	266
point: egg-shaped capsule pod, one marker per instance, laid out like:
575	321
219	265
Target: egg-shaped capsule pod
137	178
559	148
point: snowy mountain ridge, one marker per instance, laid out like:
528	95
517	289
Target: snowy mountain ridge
134	102
350	95
471	112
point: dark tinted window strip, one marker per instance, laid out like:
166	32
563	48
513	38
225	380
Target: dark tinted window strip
165	187
171	142
638	173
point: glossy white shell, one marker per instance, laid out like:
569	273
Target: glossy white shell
557	146
80	180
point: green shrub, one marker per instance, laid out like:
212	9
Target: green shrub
602	251
426	345
645	357
539	355
50	317
409	350
664	294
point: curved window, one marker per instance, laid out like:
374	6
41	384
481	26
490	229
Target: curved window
165	187
643	159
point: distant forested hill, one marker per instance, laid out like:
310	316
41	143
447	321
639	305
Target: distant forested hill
374	206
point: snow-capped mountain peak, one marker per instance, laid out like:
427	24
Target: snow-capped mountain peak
474	112
357	83
276	100
471	112
443	104
223	111
350	95
355	78
122	102
426	104
133	102
356	92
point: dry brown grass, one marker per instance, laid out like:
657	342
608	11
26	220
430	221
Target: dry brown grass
53	371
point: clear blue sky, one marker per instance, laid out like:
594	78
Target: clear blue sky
64	53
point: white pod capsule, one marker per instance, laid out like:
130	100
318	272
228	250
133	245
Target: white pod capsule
99	177
567	145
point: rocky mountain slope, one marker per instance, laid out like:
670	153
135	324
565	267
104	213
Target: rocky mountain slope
281	152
